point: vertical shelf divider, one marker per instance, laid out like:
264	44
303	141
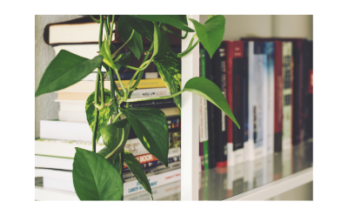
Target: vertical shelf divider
189	122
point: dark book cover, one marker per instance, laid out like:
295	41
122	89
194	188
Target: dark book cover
219	73
165	103
308	92
240	70
278	96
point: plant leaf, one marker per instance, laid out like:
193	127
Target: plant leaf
138	171
176	21
211	33
104	114
208	90
112	134
95	178
169	69
163	44
150	126
64	70
125	30
141	26
114	160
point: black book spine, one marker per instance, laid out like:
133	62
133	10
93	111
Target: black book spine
211	115
219	59
165	103
309	97
245	93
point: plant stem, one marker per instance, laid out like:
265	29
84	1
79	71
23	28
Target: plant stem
124	44
187	50
139	71
96	113
94	19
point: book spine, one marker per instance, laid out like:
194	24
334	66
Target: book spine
165	103
251	86
229	97
220	129
270	97
287	95
88	86
155	181
309	120
239	68
204	117
257	101
278	96
264	105
159	169
150	165
245	91
297	90
307	66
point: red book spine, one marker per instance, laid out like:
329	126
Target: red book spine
278	96
229	60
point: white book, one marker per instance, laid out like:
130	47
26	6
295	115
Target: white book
64	130
287	94
72	106
62	180
256	112
66	163
157	193
75	33
73	116
270	97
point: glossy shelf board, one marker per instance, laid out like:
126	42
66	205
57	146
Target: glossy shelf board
227	182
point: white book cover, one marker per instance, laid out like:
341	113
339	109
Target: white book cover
72	106
256	100
287	94
270	97
75	33
65	162
157	192
64	130
62	180
73	116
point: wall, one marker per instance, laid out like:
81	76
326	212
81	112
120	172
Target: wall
238	26
45	107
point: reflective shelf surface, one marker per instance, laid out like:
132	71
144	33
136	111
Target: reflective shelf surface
224	183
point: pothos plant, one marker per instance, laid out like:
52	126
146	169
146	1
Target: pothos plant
98	175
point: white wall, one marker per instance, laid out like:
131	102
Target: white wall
45	107
238	26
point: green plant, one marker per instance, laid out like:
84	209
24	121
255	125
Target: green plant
98	175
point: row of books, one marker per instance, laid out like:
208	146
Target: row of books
55	149
268	84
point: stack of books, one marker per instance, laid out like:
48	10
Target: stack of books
55	149
268	84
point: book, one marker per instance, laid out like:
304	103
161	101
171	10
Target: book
66	163
287	95
239	97
67	97
220	119
80	131
203	114
89	86
89	51
269	48
85	30
62	180
308	134
80	30
158	193
80	116
278	96
124	76
229	98
255	99
164	103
